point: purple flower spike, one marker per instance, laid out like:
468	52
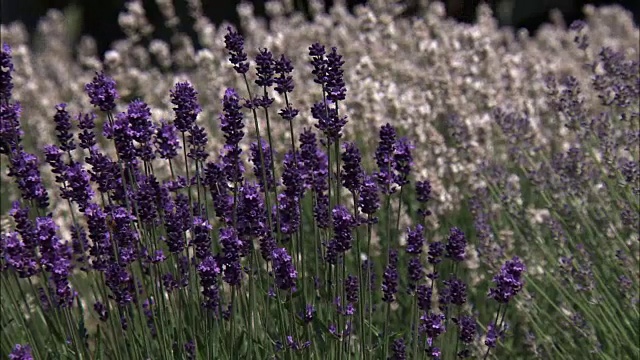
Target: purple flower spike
456	243
467	329
432	325
10	131
86	124
284	81
63	128
454	292
398	349
369	201
335	87
21	352
166	141
423	193
24	169
265	68
402	161
319	63
284	272
102	92
352	174
258	165
385	158
232	126
343	224
234	43
6	68
415	240
185	100
329	122
390	278
508	282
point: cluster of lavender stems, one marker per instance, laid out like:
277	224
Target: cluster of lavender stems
226	237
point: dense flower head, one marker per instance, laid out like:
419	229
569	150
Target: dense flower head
290	198
508	282
234	43
467	326
17	255
251	219
402	161
432	324
24	168
390	278
53	157
10	130
343	225
264	68
456	243
6	68
351	286
423	296
185	100
398	348
415	270
284	272
232	126
166	140
423	195
78	187
86	124
415	240
454	292
197	140
102	92
104	171
335	87
258	166
352	175
319	62
100	251
208	270
369	201
385	158
63	128
21	352
120	132
308	314
284	80
201	238
329	121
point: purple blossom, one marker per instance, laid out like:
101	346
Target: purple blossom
122	135
308	314
398	348
284	272
423	295
251	220
436	249
467	328
185	100
101	310
208	270
63	128
258	165
390	278
201	239
369	201
232	126
343	225
146	198
351	286
125	236
53	156
329	122
402	161
319	62
86	124
385	158
432	325
24	169
264	68
234	43
142	129
315	166
454	292
415	271
166	140
101	250
456	243
6	68
104	171
289	200
415	240
21	352
352	175
284	83
492	336
78	187
102	92
10	131
232	248
508	282
423	194
215	179
334	86
197	140
18	256
121	284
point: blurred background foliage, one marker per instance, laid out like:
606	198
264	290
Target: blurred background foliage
99	18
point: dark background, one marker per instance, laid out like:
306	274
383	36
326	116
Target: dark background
98	18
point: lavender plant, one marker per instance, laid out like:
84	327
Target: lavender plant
294	236
170	267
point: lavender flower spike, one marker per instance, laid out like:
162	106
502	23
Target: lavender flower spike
509	281
6	68
102	92
285	273
234	42
185	101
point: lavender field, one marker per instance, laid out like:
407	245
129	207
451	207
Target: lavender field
359	186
